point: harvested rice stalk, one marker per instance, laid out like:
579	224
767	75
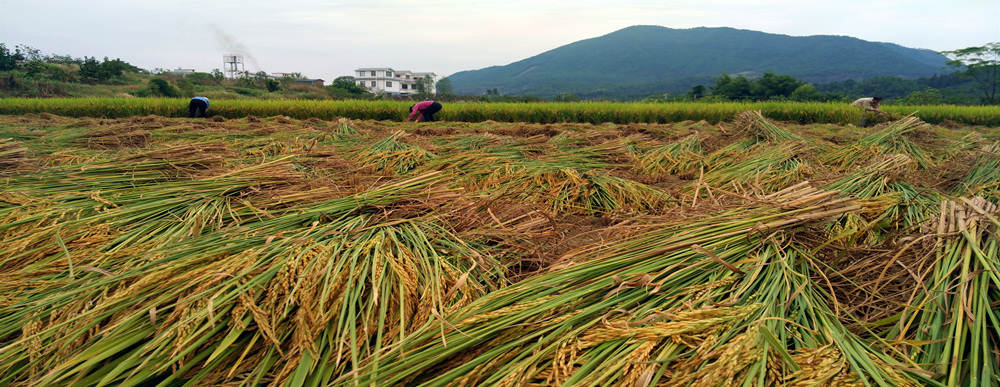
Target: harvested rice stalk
470	143
119	139
392	155
763	135
12	153
952	323
755	124
600	156
112	217
984	178
891	139
770	169
735	152
675	158
564	183
873	179
566	190
299	298
629	311
345	127
968	143
890	204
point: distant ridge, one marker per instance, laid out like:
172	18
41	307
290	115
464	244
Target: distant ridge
643	60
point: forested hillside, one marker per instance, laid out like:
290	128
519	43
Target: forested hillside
638	60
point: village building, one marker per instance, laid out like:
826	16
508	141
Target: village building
392	82
297	79
180	72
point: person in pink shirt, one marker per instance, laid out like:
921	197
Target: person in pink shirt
426	110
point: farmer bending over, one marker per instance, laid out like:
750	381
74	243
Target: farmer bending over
426	110
867	105
198	104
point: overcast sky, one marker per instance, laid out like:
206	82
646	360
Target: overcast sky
327	39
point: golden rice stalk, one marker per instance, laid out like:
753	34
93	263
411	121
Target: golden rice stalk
345	127
12	153
392	155
984	177
307	293
891	139
951	320
675	158
129	139
584	324
756	125
769	168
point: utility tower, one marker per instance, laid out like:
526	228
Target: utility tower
233	64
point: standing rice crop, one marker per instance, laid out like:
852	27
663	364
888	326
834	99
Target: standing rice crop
537	112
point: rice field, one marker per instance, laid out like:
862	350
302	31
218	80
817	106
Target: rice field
585	246
472	112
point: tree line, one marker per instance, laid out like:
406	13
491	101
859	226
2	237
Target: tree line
975	80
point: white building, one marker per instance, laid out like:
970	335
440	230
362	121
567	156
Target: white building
391	82
181	72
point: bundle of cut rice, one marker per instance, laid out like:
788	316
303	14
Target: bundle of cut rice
12	153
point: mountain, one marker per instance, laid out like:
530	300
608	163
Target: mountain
639	61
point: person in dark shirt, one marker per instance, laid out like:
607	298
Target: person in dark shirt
198	105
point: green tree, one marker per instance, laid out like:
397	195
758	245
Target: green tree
95	71
344	81
733	88
245	80
979	63
29	53
928	96
770	85
161	88
90	69
34	68
116	68
346	86
63	59
8	60
806	92
697	92
272	85
425	87
444	86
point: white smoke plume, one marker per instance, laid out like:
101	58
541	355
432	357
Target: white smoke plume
229	43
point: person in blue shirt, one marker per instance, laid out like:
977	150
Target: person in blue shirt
199	105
